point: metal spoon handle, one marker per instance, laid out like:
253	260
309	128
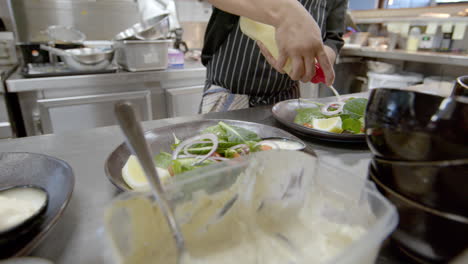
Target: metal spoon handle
130	125
55	51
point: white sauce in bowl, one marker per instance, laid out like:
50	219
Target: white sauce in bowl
283	143
19	204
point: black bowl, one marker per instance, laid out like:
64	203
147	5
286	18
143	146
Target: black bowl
23	228
461	86
425	233
442	185
408	125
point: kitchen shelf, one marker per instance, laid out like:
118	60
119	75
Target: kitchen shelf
418	56
412	20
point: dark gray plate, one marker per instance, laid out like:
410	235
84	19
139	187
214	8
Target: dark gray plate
285	112
53	175
161	139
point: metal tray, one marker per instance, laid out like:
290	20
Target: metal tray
51	174
285	112
142	55
161	139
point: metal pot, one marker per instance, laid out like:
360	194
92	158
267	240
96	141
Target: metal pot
84	59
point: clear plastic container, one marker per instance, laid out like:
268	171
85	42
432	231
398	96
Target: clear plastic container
396	80
281	180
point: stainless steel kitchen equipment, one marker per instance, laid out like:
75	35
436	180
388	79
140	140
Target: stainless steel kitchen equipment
73	103
149	29
64	34
7	49
89	56
154	28
99	20
142	55
84	58
6	126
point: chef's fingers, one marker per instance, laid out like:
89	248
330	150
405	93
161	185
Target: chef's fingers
266	53
327	67
281	62
309	64
297	68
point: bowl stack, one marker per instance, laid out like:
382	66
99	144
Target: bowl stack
420	147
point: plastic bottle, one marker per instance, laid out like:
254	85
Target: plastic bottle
266	34
413	39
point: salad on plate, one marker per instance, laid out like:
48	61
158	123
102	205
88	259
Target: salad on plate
214	144
342	116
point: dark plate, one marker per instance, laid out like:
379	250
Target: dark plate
285	112
425	234
441	185
161	139
53	175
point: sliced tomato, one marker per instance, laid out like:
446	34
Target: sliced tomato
265	147
216	154
308	125
171	171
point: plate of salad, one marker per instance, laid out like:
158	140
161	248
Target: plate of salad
187	146
325	118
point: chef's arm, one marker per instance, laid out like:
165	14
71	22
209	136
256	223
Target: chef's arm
265	11
335	29
298	36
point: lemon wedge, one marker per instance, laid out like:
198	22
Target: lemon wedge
328	124
133	174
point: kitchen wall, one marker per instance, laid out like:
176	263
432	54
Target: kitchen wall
98	19
5	15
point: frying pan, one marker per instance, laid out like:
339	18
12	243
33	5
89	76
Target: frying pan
84	58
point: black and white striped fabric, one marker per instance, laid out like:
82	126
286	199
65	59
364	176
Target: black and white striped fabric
239	66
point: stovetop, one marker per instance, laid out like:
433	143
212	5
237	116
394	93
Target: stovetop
34	70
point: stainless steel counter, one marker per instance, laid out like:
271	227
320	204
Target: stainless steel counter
59	104
6	130
5	72
16	83
419	56
77	238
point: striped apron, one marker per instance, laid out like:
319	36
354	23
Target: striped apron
238	76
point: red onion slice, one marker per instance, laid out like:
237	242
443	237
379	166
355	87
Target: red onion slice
325	111
194	140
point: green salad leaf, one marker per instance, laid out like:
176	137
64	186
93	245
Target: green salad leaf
238	134
186	164
306	115
352	125
163	160
232	135
218	131
355	108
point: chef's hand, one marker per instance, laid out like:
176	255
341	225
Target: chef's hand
299	38
331	55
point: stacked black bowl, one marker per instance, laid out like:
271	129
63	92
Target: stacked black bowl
420	147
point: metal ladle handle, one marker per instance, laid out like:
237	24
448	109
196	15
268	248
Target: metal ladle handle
55	51
130	125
